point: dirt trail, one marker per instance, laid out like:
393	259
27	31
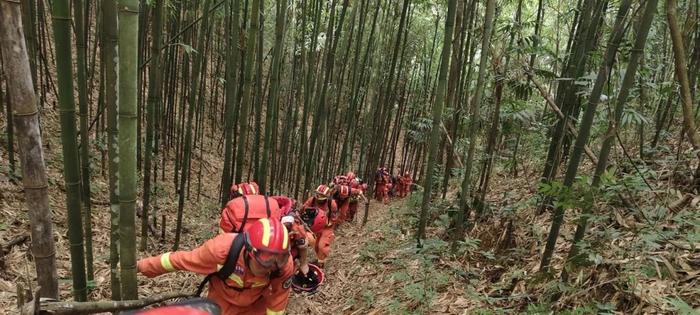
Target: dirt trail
345	275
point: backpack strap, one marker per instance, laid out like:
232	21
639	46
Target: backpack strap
229	264
267	207
245	215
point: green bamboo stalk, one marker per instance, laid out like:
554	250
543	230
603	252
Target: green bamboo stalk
585	130
154	99
127	102
109	58
609	139
274	91
247	88
192	100
71	167
464	208
437	114
81	46
232	58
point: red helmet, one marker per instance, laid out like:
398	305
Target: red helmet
344	191
309	282
350	175
286	204
315	218
249	188
268	243
322	192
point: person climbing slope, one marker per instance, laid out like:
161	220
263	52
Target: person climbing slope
248	273
355	183
405	183
342	197
382	185
321	200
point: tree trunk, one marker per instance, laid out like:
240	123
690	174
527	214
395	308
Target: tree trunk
681	66
192	102
81	46
586	124
71	164
464	207
613	126
232	56
154	90
273	95
127	102
34	179
436	114
247	89
109	58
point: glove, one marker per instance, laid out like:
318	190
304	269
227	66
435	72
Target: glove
142	268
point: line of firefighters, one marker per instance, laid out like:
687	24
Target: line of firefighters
261	251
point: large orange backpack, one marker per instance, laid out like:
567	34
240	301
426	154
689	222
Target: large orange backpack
247	208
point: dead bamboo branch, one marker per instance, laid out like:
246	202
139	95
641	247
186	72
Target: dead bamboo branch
555	108
99	306
447	135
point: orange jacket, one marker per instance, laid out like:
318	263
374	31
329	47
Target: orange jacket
208	258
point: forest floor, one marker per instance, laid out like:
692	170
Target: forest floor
645	261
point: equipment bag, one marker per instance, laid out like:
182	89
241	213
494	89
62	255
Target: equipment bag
245	208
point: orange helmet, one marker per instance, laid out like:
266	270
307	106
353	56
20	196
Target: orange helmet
322	192
249	188
350	175
315	218
267	242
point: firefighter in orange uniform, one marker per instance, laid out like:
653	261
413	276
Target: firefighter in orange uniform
261	280
382	185
355	183
324	238
406	183
343	196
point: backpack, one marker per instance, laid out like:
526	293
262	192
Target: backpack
240	210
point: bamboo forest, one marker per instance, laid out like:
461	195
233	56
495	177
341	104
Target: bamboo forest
220	157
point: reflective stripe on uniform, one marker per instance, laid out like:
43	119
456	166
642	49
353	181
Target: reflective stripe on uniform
286	237
233	277
165	262
271	312
266	232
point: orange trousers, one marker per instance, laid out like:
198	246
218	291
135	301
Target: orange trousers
381	192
